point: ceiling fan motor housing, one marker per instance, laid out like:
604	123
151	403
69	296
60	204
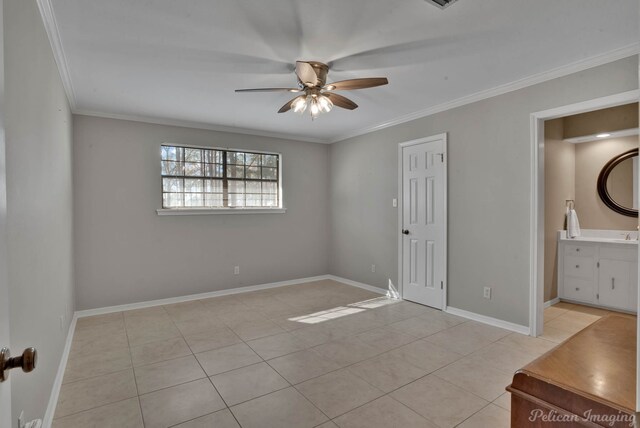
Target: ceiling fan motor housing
321	71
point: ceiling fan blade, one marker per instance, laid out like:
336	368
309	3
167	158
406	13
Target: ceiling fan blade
348	85
269	90
306	74
340	101
287	106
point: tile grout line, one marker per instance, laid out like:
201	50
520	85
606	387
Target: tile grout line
94	408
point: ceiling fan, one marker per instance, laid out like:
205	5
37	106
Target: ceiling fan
318	96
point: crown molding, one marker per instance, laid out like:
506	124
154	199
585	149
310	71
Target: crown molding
200	125
565	70
51	27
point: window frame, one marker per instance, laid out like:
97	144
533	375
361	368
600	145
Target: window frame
280	208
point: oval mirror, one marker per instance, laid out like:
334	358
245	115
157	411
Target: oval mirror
616	183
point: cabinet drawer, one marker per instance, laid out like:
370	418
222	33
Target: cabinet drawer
578	289
581	267
579	250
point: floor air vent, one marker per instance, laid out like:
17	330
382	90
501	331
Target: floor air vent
441	3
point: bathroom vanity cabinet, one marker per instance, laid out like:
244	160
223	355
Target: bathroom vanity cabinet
599	268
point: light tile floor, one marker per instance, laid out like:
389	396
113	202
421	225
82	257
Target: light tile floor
320	354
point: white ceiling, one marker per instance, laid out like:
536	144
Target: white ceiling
182	59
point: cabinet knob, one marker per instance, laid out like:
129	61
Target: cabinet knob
577	266
578	249
577	288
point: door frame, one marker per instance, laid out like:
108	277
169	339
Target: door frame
536	234
401	146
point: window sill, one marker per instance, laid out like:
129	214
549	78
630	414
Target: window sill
209	211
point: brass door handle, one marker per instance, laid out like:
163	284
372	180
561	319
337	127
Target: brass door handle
27	362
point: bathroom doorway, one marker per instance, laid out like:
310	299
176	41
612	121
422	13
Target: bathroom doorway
563	138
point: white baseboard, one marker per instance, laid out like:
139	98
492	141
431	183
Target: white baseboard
364	286
57	383
171	300
488	320
551	302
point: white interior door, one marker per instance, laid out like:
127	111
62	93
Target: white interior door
424	221
5	387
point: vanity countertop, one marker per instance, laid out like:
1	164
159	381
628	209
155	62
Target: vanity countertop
602	236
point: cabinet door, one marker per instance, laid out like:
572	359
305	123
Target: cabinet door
614	284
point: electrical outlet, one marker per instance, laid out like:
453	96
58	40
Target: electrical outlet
487	293
394	202
373	268
236	270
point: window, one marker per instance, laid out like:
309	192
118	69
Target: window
217	178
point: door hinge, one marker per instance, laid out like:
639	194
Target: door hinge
441	157
598	264
598	296
441	285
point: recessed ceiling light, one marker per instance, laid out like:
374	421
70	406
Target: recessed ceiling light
603	135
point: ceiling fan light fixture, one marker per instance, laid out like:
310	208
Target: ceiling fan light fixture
325	104
314	109
317	97
300	105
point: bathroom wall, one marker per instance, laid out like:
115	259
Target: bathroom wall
594	122
559	170
590	158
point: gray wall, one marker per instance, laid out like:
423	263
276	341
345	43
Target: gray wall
126	253
39	201
489	192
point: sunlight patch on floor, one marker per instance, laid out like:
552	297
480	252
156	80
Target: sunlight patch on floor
341	311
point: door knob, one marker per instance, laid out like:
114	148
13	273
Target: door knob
27	362
405	231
